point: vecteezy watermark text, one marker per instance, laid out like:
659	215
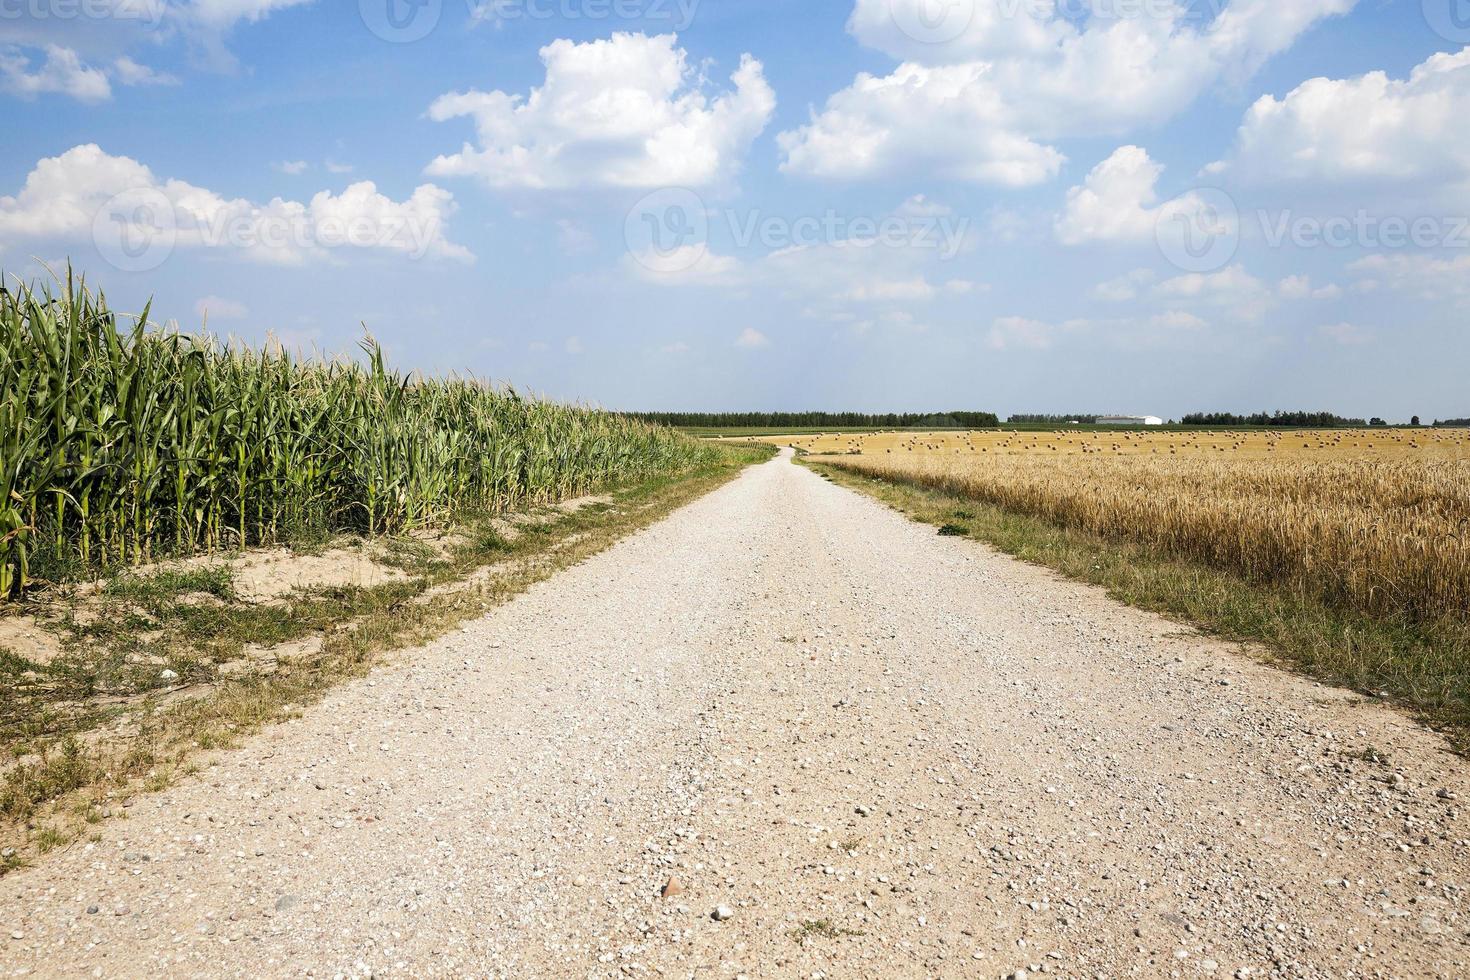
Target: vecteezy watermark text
1450	19
941	233
138	230
405	21
1201	230
669	230
679	14
147	12
1363	229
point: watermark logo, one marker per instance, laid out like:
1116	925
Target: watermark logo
1199	231
678	15
136	231
1364	229
401	21
933	21
1450	19
406	21
667	231
150	13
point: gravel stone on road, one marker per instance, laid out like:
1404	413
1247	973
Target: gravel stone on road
787	732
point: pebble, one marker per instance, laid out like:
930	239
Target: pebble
936	800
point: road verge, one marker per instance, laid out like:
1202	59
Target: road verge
154	670
1420	666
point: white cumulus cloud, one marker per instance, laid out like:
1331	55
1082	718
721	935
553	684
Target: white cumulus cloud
1125	332
1119	202
82	50
67	198
945	121
903	258
1426	277
627	111
1364	130
984	89
1012	332
1123	288
225	14
61	72
1300	287
129	72
1232	289
686	265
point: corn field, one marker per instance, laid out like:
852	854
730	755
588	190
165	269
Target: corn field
1382	537
120	443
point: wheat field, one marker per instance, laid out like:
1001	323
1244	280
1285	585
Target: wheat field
1331	444
1377	521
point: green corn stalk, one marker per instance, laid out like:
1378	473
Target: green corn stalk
120	442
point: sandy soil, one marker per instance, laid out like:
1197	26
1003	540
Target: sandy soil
882	752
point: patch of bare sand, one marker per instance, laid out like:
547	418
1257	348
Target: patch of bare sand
24	637
581	503
267	575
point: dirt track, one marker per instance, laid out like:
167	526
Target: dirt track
887	753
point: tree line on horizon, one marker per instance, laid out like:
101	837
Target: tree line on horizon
1295	420
986	420
817	420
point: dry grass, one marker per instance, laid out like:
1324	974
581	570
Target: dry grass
1373	521
1423	666
97	725
1343	554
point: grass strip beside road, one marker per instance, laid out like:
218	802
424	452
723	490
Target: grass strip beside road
79	767
1421	666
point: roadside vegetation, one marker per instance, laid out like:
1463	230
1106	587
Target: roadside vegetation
199	539
122	443
154	667
1346	555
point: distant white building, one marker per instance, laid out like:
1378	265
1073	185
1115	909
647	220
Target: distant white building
1130	420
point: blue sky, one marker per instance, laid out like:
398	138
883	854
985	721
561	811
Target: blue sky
1018	205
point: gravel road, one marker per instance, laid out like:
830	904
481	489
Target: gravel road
877	751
